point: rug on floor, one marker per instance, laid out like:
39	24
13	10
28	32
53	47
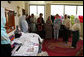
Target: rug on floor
60	48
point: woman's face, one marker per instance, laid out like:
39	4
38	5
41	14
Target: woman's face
41	15
65	16
32	15
77	21
57	16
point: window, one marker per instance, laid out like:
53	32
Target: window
36	10
33	10
41	10
57	9
70	10
80	10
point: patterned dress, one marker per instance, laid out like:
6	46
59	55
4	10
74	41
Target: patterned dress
48	29
57	23
33	24
40	27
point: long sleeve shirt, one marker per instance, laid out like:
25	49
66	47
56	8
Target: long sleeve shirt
23	24
67	23
4	36
76	27
57	23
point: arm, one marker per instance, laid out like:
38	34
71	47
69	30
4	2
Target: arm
24	26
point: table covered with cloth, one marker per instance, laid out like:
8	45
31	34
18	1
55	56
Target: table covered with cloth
28	45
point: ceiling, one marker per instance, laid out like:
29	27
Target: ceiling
55	2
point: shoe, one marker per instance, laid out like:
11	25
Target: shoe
72	47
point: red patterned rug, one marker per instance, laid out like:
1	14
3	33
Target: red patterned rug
60	48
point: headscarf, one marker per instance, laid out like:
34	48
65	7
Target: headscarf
76	20
49	21
76	26
72	19
3	32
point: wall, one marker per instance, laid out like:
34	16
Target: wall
66	2
47	10
81	34
13	6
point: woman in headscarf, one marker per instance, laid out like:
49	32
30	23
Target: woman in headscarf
5	41
48	28
40	26
33	23
75	32
57	23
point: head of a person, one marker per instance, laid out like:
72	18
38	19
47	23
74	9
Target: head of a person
57	16
26	15
68	16
65	16
23	13
40	15
76	20
48	18
32	15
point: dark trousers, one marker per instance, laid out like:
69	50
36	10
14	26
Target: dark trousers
6	50
40	46
75	38
65	35
41	33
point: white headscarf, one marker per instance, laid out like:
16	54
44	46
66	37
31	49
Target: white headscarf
76	20
76	26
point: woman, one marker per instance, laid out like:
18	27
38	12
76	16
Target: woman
57	23
75	32
33	23
5	41
40	26
48	28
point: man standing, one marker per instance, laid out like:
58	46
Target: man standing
67	25
23	23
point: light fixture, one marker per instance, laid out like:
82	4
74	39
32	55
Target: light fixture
9	2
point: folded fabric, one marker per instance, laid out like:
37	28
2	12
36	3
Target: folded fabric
30	44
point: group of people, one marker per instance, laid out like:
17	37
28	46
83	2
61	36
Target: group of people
31	24
68	26
46	30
